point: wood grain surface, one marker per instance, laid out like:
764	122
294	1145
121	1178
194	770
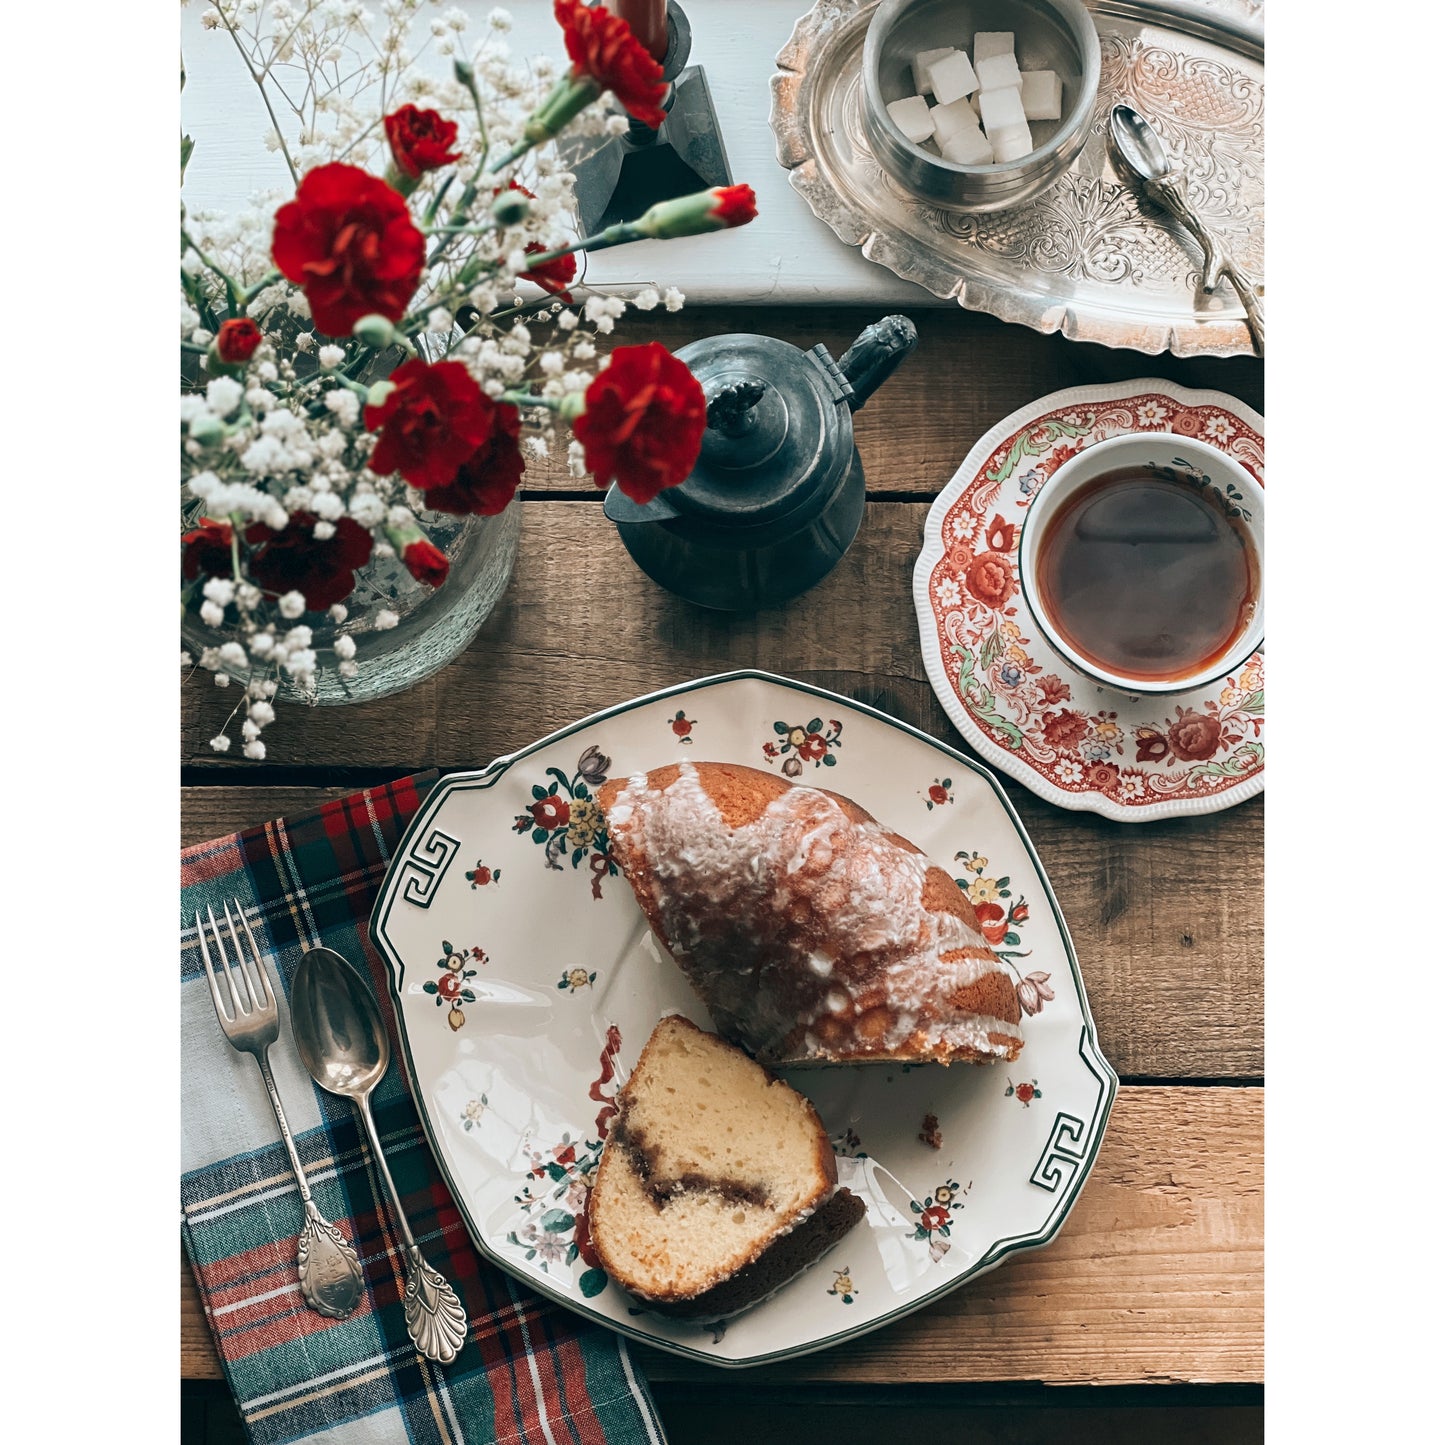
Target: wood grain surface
1157	1276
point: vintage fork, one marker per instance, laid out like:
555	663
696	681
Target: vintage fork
329	1270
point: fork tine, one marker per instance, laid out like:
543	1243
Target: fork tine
220	943
256	1003
211	973
268	998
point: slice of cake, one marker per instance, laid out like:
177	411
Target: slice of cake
813	933
717	1183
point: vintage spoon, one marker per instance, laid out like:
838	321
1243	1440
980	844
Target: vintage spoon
342	1042
1138	147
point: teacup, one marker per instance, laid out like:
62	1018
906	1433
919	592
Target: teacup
1198	495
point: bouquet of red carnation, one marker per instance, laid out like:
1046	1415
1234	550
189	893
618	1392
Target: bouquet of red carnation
384	348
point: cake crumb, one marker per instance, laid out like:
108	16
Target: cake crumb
931	1134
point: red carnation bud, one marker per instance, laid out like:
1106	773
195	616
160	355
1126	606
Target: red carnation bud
425	562
553	276
734	205
237	340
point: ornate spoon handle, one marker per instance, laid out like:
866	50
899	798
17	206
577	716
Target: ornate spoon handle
328	1268
435	1319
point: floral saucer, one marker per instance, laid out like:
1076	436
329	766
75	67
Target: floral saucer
526	980
1016	699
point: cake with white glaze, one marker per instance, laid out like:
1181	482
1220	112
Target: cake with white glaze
717	1183
813	934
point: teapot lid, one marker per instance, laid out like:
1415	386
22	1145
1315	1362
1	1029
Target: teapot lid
776	429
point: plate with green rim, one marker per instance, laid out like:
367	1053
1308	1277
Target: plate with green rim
525	981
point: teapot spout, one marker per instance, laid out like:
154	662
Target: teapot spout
875	355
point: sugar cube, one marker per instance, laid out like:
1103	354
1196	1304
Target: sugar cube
911	117
1011	143
951	78
967	147
1000	108
950	119
992	42
998	71
921	62
1043	94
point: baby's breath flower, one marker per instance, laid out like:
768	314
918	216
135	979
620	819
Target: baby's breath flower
347	670
337	612
221	679
385	620
331	357
647	299
672	298
233	654
221	743
212	615
261	713
223	395
344	646
291	604
324	531
249	730
255	749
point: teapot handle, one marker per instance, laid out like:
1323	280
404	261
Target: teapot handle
875	355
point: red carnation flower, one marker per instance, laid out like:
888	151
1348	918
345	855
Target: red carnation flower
348	241
553	276
425	562
432	420
644	419
293	560
237	340
603	47
420	141
488	480
734	205
206	549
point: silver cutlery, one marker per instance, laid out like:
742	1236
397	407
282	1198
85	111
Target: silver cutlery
329	1270
342	1042
1137	145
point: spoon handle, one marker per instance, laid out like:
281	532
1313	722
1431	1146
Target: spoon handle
326	1264
435	1319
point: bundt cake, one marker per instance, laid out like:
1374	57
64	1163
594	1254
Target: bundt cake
813	934
717	1183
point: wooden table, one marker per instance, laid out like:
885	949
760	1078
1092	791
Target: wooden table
1154	1288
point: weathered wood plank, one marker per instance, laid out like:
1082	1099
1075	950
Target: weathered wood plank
968	373
1168	924
1156	1278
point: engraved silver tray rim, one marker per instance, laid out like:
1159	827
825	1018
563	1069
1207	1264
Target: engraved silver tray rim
972	279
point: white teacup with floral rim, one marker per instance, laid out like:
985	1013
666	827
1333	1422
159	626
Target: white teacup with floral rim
1219	479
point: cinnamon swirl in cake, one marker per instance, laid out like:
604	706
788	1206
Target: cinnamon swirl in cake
813	933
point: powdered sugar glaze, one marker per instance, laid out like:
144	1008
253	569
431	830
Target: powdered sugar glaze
808	933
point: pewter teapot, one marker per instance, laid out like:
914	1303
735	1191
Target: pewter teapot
777	493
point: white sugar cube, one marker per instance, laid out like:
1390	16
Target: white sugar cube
951	78
921	62
1043	94
1011	143
950	119
1000	108
992	42
967	146
911	117
998	71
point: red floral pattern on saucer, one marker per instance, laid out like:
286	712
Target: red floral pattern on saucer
1019	702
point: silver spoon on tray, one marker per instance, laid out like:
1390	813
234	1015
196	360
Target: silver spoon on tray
1137	146
342	1042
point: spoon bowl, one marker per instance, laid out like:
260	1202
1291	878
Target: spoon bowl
338	1026
1138	143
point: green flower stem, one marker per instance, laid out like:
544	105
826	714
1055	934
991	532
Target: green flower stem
436	202
525	398
468	77
569	98
233	288
619	235
252	292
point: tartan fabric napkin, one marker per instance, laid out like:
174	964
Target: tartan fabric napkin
529	1370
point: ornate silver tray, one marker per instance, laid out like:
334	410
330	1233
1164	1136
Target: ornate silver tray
1084	257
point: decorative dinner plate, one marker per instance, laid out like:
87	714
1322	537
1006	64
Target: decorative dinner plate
1016	699
526	981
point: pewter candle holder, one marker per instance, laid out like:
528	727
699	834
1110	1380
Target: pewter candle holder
642	166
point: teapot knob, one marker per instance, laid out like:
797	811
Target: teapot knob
730	411
875	355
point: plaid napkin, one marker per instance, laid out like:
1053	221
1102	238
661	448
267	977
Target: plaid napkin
529	1371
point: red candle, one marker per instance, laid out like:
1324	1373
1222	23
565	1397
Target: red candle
648	19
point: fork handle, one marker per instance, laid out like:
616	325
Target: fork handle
264	1064
326	1264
